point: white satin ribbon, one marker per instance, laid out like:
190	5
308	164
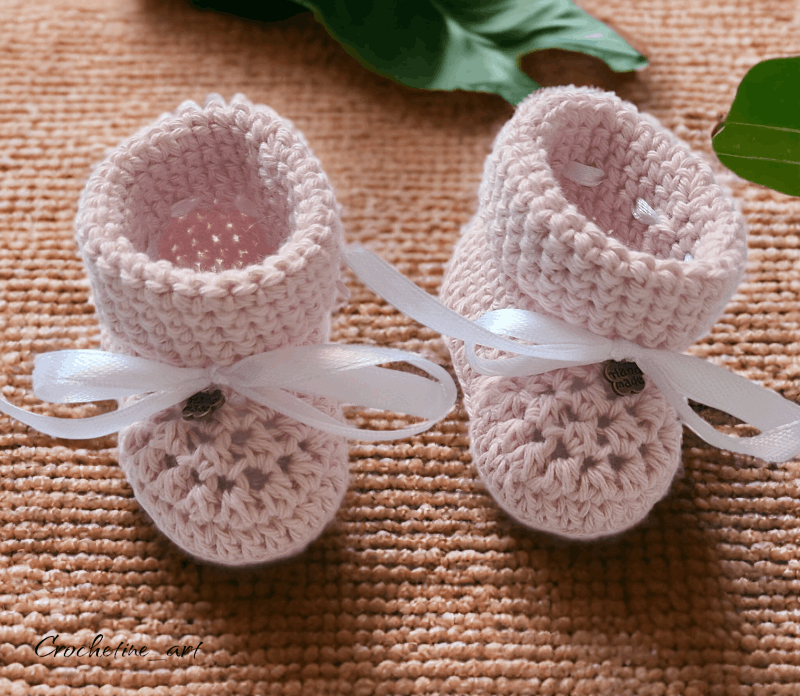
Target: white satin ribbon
679	377
343	373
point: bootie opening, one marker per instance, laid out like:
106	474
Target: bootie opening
210	189
650	250
642	189
170	278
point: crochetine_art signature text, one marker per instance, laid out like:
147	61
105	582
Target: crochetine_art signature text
49	646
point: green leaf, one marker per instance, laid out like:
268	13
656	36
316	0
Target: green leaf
465	44
760	138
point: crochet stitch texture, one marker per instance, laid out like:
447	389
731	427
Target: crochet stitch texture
562	452
246	485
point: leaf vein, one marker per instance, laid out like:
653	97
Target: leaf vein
760	125
765	159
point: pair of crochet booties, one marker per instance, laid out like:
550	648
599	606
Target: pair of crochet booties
214	235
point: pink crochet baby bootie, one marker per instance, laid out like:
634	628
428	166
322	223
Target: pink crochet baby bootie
211	236
594	214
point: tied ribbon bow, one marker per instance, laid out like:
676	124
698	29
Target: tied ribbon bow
343	373
679	377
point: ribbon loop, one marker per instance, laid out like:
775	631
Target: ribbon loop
340	373
558	344
78	376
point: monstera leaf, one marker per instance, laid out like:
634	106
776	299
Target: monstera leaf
461	44
760	137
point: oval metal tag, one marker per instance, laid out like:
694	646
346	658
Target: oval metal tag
625	378
201	406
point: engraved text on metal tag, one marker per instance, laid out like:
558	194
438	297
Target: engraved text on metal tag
201	406
624	377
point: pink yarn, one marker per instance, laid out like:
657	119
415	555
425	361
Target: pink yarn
561	452
248	485
213	239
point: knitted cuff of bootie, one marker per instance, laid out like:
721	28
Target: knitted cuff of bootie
210	236
593	214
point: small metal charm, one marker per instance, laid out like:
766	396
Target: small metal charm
201	406
625	378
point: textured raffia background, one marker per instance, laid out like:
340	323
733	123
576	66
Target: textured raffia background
421	586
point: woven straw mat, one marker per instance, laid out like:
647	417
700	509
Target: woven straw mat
421	585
